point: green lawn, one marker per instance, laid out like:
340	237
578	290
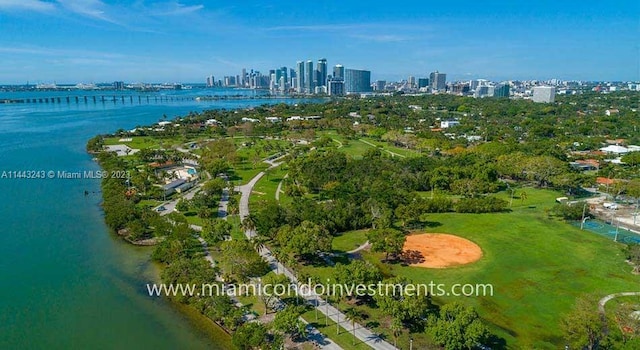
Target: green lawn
143	142
537	267
149	203
345	338
236	231
349	240
354	148
265	189
388	147
244	172
193	218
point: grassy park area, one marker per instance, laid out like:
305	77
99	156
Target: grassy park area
537	266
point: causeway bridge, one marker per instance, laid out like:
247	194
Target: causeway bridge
99	99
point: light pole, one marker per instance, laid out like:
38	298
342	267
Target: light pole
513	191
410	343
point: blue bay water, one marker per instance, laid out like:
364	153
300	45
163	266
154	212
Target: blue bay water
66	281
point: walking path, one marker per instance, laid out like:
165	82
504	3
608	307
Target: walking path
604	300
279	189
362	333
386	150
364	245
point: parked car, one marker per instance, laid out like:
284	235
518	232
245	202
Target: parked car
612	206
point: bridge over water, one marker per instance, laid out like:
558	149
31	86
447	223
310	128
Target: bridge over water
100	99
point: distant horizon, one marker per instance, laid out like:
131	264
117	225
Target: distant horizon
203	84
115	40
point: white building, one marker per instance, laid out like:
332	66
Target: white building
448	123
614	149
546	94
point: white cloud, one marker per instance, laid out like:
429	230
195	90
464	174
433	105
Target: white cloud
173	9
55	52
89	8
381	38
27	5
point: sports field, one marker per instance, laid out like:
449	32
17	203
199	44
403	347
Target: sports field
537	266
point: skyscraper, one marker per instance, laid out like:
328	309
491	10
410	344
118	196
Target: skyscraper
356	81
243	78
338	71
283	81
423	82
335	87
438	80
300	77
322	72
411	81
309	77
211	81
546	94
501	90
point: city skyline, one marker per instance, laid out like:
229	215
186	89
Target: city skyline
99	41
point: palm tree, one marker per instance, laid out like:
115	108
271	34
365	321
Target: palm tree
354	316
396	329
258	243
248	223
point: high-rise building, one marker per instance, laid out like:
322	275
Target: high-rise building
438	80
229	81
119	85
309	77
300	77
211	81
321	79
546	94
243	78
501	90
423	82
357	81
379	85
338	71
411	81
335	87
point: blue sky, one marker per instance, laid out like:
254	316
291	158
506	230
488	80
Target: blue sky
168	41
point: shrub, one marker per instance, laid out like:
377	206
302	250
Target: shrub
437	205
568	211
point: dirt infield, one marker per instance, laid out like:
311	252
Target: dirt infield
439	250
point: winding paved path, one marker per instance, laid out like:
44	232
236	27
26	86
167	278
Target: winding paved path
604	300
386	150
279	189
362	333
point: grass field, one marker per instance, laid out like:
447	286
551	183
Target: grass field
142	142
236	231
244	172
354	148
265	189
537	265
357	147
349	240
